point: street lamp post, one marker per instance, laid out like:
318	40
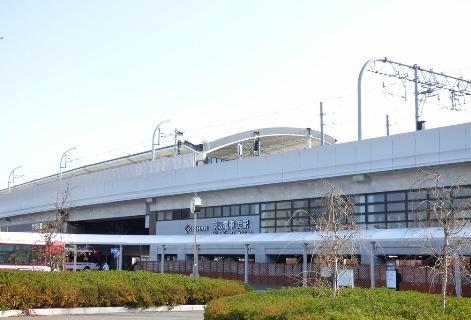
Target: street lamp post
64	160
157	129
12	177
195	208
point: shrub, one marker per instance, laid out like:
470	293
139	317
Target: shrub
27	290
317	304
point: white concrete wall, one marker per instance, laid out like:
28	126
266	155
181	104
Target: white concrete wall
448	145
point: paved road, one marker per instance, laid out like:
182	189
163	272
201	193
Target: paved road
175	315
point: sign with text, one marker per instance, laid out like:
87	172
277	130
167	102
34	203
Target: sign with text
222	225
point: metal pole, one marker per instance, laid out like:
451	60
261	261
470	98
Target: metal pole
416	96
457	274
162	259
387	124
195	250
120	257
158	139
322	124
75	258
11	177
64	155
305	265
372	264
359	90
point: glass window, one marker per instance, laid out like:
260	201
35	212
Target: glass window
244	210
209	212
268	229
300	204
396	216
398	206
255	209
360	218
168	215
300	213
268	215
185	213
417	195
267	223
235	210
376	197
268	206
283	222
464	192
376	225
161	215
226	211
360	209
217	211
317	202
301	228
283	205
396	196
376	217
359	199
417	205
283	214
177	214
376	208
418	216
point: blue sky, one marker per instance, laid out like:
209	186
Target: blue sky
99	75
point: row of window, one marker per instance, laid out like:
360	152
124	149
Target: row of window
399	209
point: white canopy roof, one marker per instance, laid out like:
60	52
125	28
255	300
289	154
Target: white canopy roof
377	235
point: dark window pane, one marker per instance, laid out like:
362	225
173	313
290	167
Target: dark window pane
376	197
267	215
376	217
283	214
300	221
255	209
418	216
268	206
377	226
283	205
301	228
226	211
360	209
283	229
417	205
209	212
168	215
359	199
177	214
300	204
376	208
185	213
300	213
244	210
161	215
396	216
360	218
217	211
417	195
235	211
317	202
399	206
267	223
396	196
283	222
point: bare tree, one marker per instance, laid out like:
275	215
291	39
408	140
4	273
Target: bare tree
337	228
447	211
54	251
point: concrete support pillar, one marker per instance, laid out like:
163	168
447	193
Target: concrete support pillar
372	264
246	264
75	258
305	265
457	274
162	259
260	256
181	255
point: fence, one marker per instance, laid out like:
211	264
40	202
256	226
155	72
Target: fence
421	279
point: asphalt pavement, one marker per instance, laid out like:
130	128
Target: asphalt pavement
172	315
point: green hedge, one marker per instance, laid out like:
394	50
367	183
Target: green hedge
316	303
25	290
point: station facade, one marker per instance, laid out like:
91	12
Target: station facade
276	188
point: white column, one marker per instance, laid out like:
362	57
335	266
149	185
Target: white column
305	265
246	264
372	264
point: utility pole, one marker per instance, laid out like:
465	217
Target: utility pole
321	114
416	97
387	125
